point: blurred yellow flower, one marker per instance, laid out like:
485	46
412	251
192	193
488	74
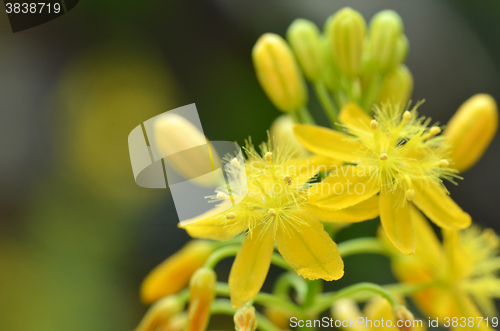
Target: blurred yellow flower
173	274
160	314
397	155
461	272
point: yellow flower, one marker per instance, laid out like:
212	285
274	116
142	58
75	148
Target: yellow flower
376	310
276	210
471	130
397	155
461	272
173	274
245	319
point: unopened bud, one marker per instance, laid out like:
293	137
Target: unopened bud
245	319
282	133
305	39
173	274
278	73
386	29
410	194
177	322
278	316
471	130
397	86
404	318
160	314
186	149
345	31
202	293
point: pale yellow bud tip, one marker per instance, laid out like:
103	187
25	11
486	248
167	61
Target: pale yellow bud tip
221	196
435	130
406	116
406	318
410	194
245	319
444	163
384	156
230	215
374	124
271	212
268	156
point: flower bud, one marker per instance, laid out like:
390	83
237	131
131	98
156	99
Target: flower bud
186	148
245	319
202	293
345	32
282	132
160	314
471	130
305	39
177	322
386	41
173	274
397	86
404	318
278	73
278	316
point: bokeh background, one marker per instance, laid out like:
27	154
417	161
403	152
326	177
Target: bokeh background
76	234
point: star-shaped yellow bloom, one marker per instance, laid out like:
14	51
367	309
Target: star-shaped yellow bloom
462	272
395	155
276	211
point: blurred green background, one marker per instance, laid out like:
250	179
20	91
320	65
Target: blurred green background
77	235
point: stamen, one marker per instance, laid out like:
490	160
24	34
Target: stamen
221	196
384	156
272	212
268	156
434	131
287	179
230	215
444	163
374	124
406	116
410	194
235	163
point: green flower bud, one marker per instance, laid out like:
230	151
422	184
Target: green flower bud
346	31
397	86
278	73
305	39
387	46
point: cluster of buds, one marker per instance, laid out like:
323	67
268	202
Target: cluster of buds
353	62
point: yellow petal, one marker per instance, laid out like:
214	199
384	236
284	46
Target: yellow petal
301	170
173	274
326	142
396	220
427	246
346	187
251	265
351	115
307	247
363	211
439	207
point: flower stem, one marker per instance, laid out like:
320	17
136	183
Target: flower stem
327	104
229	251
267	299
325	300
287	280
305	116
362	245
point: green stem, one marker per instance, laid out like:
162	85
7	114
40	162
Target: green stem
229	251
287	280
362	245
305	116
267	299
224	307
327	104
371	93
313	289
327	299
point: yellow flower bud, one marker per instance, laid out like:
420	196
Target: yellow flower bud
386	40
160	314
173	274
397	86
177	322
404	318
186	148
282	132
305	39
345	32
471	130
279	317
202	293
278	73
245	319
